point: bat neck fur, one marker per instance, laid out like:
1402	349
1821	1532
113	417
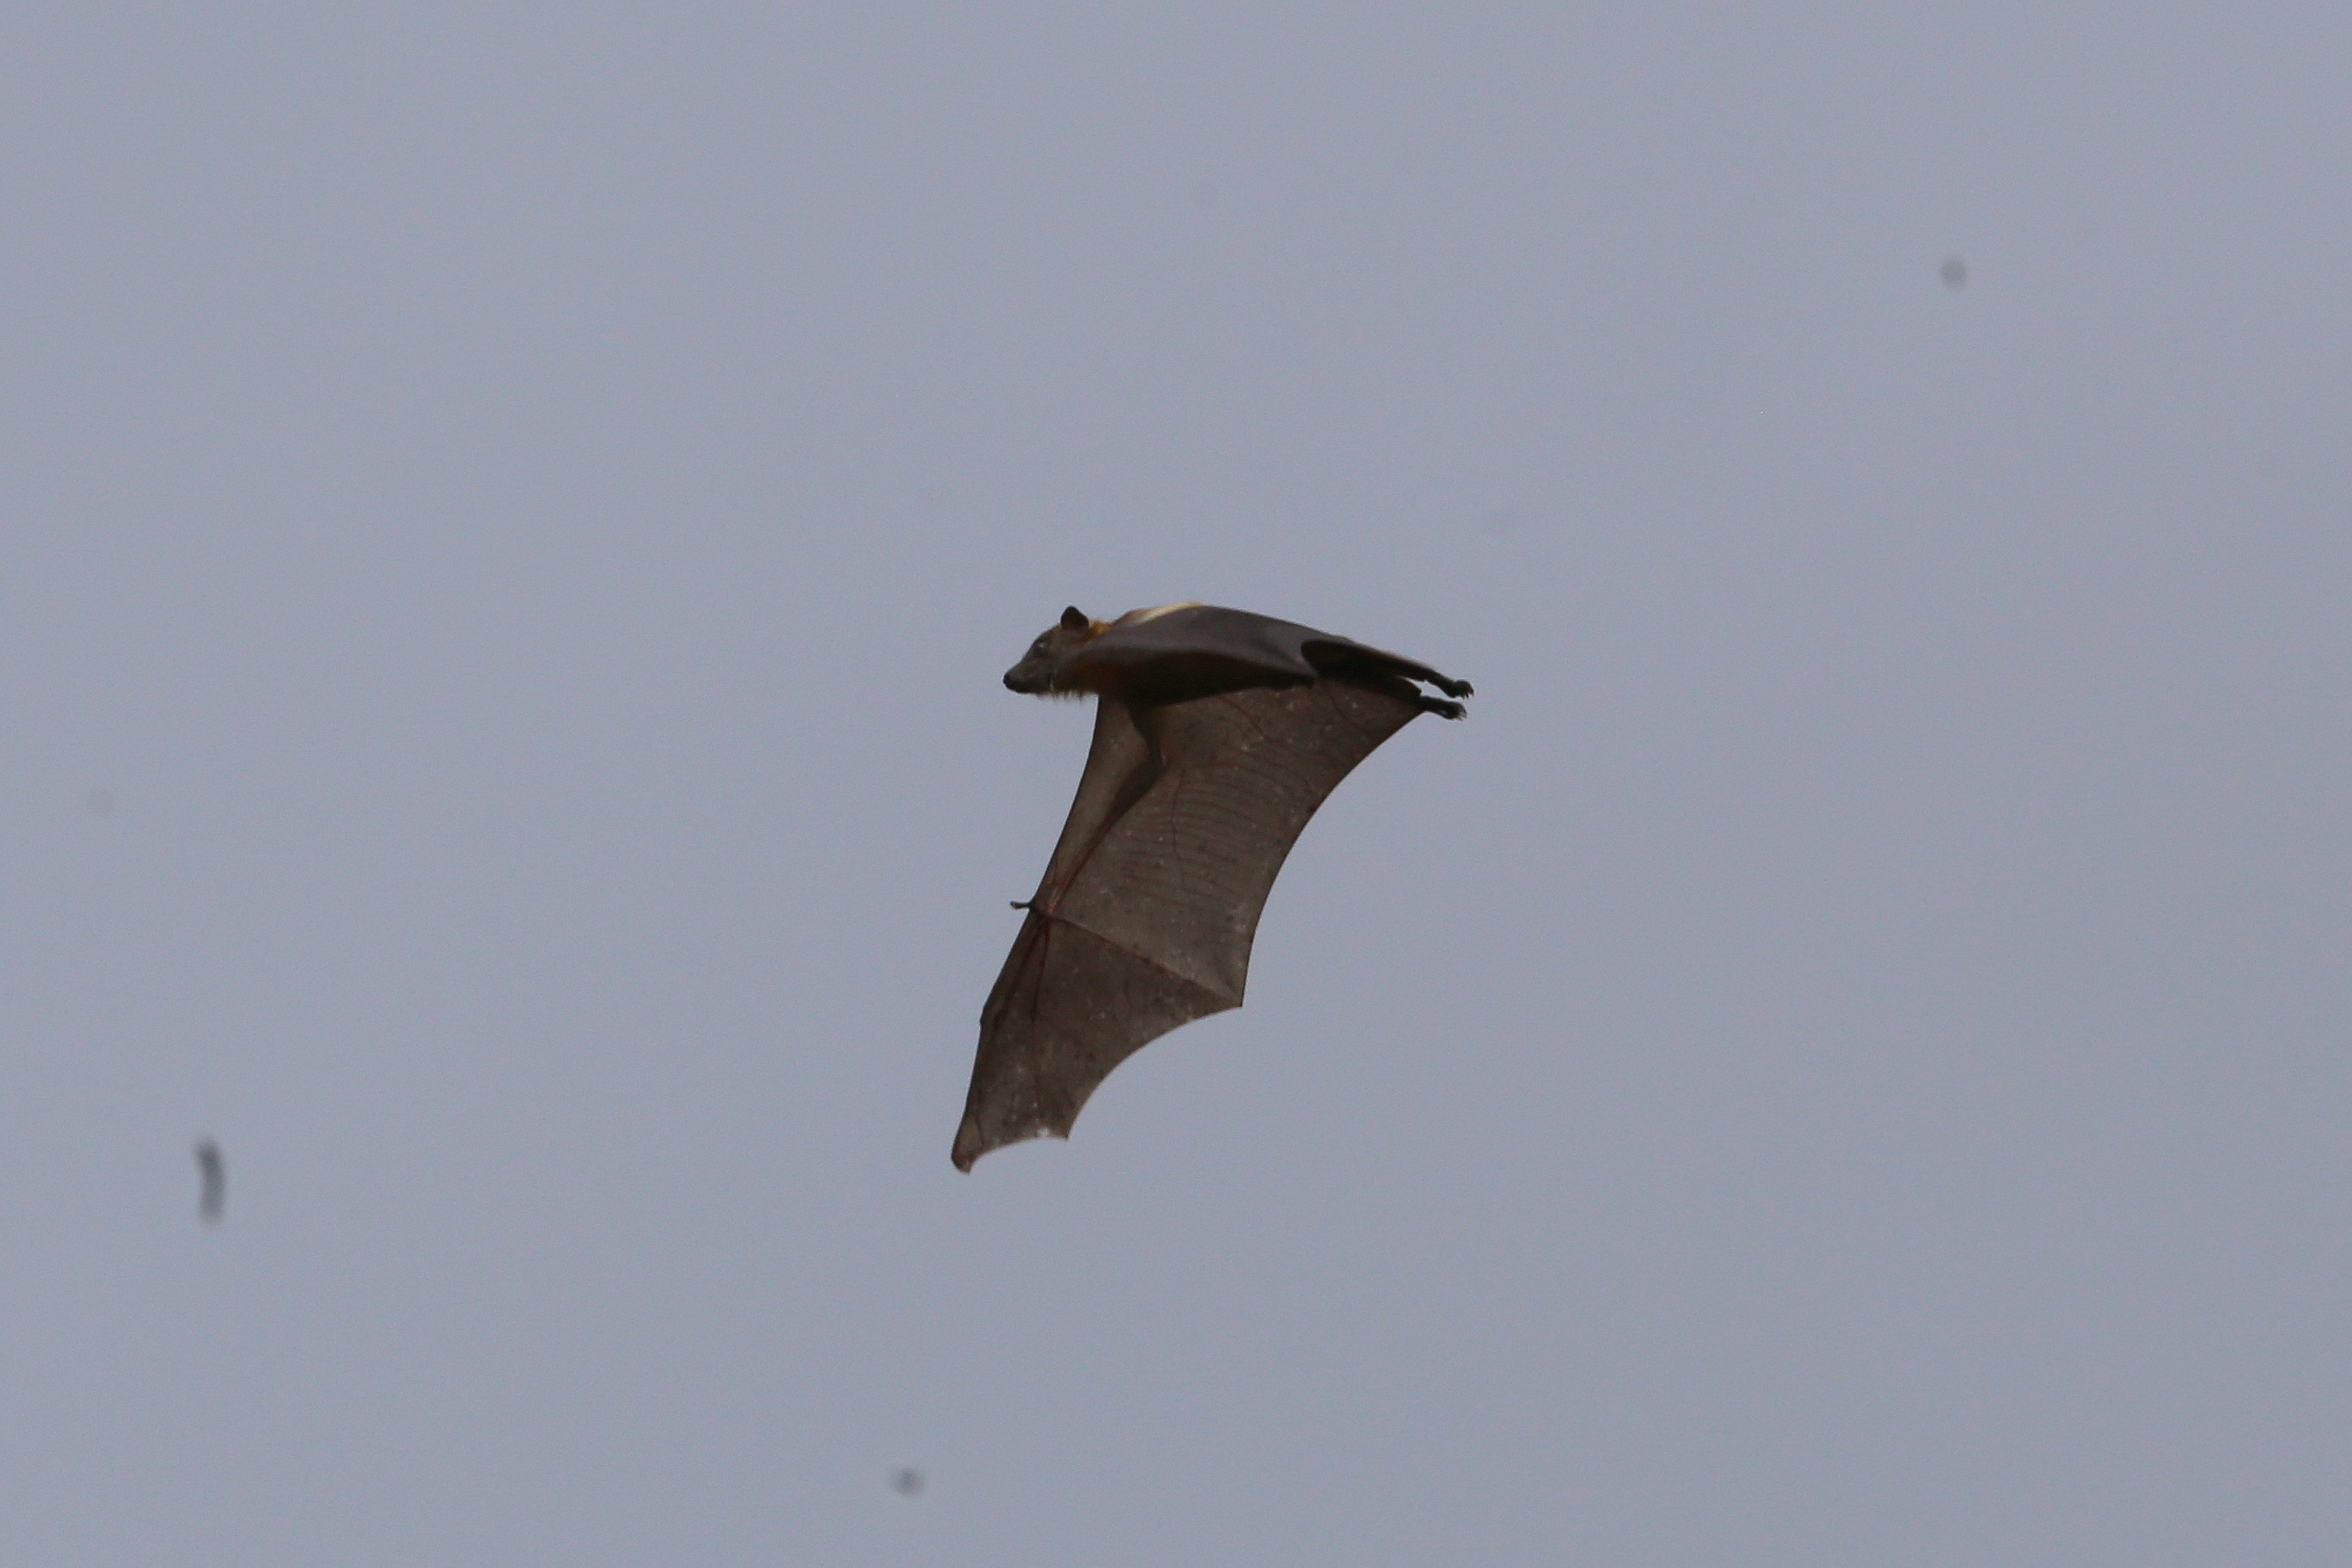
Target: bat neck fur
1137	617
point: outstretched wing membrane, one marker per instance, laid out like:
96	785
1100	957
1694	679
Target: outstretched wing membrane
1150	902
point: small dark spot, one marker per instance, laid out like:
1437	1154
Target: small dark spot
907	1481
1956	272
99	802
214	1174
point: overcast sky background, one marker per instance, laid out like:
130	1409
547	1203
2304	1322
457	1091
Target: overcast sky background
514	518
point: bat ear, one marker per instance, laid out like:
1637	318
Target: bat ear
1076	618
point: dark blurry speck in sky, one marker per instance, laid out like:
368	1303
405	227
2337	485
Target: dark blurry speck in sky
213	1173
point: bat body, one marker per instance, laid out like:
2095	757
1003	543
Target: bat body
1217	734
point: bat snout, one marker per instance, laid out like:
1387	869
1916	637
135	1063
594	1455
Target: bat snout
1030	679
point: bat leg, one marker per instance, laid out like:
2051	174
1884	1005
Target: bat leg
1404	691
1348	660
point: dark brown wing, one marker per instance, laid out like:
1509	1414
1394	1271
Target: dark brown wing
1145	918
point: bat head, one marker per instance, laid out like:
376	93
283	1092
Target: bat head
1043	670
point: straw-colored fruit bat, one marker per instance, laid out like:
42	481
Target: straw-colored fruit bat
1217	734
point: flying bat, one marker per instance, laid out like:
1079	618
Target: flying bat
1217	734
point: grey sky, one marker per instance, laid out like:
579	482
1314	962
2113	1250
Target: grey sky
521	511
